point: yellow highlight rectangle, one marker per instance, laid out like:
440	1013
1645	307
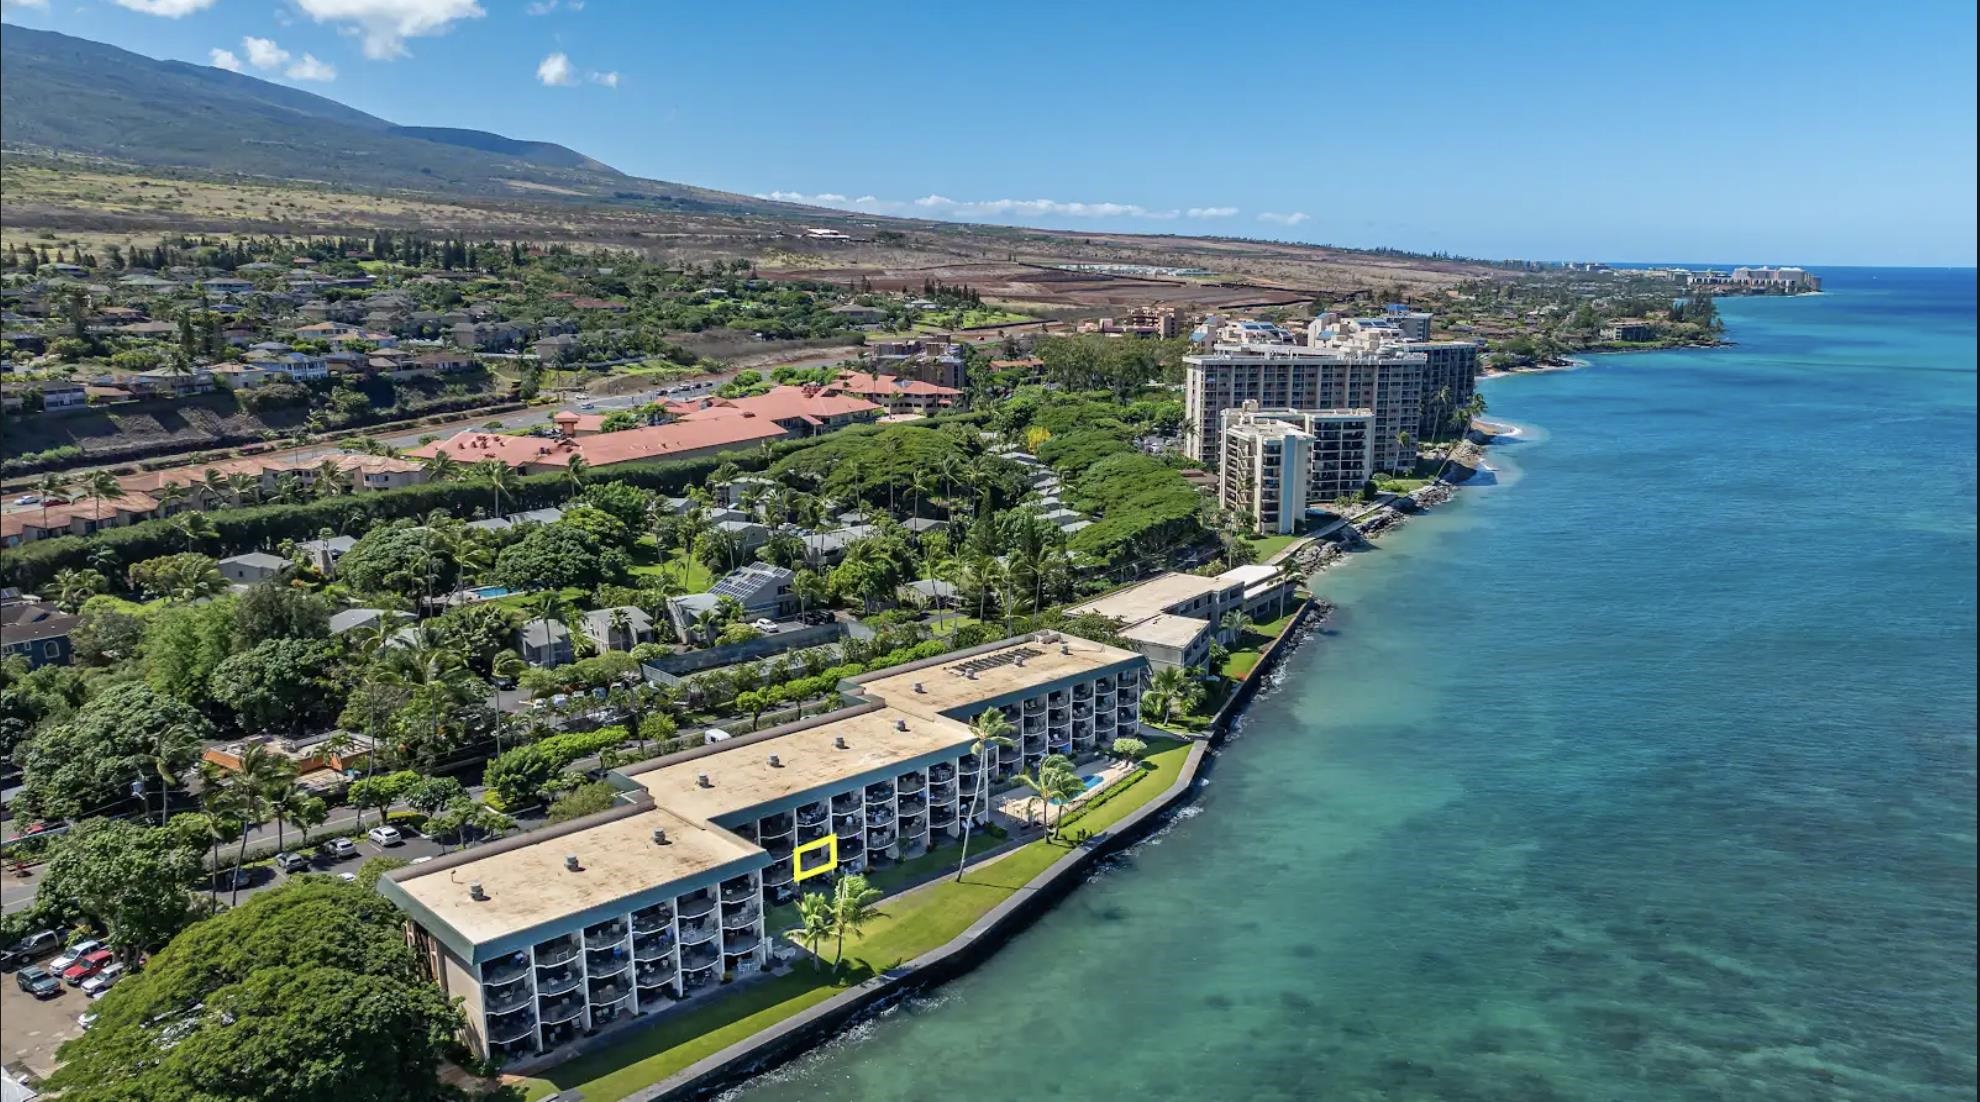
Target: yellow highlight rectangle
829	843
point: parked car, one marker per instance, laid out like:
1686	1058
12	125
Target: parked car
291	862
96	985
338	849
767	627
73	954
36	981
86	1019
88	966
385	835
228	879
29	947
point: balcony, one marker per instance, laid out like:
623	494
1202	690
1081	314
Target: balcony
1033	744
912	782
851	848
1104	721
807	832
1082	692
696	905
940	774
700	977
739	890
556	1036
1058	717
775	825
941	793
660	974
497	973
1104	701
811	815
1083	729
741	941
879	817
512	999
781	844
848	824
552	953
1056	698
846	803
1034	706
653	947
778	874
604	994
558	1011
745	915
509	1029
880	839
602	1016
1034	725
696	957
1103	684
599	963
914	826
558	982
693	933
879	793
653	918
941	817
969	764
605	934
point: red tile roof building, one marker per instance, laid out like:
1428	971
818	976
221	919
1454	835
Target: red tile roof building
802	410
536	454
898	395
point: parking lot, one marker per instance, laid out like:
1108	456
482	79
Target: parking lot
32	1029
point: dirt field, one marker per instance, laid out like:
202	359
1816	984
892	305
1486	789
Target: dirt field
1050	287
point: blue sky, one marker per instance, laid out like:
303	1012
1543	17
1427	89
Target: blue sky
1764	132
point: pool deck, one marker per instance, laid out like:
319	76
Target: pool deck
1016	805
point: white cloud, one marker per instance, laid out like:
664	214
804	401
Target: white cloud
941	206
609	80
1293	219
545	7
308	68
169	9
263	53
384	25
10	5
556	71
224	59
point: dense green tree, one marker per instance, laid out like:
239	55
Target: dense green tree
282	683
520	775
306	993
185	576
557	555
184	644
272	610
90	761
585	799
624	501
402	558
130	881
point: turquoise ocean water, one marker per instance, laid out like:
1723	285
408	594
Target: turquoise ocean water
1645	773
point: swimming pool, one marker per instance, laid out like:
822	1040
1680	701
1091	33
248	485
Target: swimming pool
488	592
1088	783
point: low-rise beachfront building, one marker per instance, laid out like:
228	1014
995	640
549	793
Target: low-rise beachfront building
1171	619
555	933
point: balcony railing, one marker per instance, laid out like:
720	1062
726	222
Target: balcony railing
811	832
511	999
739	891
846	802
698	904
911	783
940	773
738	914
608	963
564	949
559	983
560	1012
650	948
1082	692
775	825
610	934
879	817
657	976
693	933
941	793
880	839
778	874
1104	721
1034	706
508	1032
498	973
605	993
781	844
879	793
811	816
658	918
696	957
700	977
851	847
741	941
848	824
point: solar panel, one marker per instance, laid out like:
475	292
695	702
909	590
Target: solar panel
992	661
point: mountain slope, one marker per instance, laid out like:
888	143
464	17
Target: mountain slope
66	94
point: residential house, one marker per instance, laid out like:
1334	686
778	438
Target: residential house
602	627
36	631
544	642
255	566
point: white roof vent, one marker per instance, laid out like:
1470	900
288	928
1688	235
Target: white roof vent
970	674
839	742
918	688
572	863
659	836
475	890
702	780
776	762
900	725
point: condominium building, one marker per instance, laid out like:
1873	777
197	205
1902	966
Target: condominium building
1173	618
1264	471
1355	370
555	933
1340	456
1450	368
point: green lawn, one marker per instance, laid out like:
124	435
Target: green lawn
1267	546
912	924
1251	646
942	320
690	573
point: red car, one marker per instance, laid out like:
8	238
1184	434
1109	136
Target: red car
83	969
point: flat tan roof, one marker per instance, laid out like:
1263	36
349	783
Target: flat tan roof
1138	602
1166	630
529	885
808	759
944	689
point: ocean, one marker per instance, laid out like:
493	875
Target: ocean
1645	770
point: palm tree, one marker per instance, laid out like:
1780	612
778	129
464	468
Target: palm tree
73	587
215	486
175	743
500	478
707	623
991	729
852	908
576	472
441	466
97	485
310	812
815	916
1234	624
194	527
289	804
169	496
251	795
240	484
1064	785
1171	683
1044	782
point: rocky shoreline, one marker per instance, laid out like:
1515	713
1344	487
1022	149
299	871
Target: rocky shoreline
1464	461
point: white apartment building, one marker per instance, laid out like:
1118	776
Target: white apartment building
1450	368
1356	369
552	934
1340	455
1264	472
